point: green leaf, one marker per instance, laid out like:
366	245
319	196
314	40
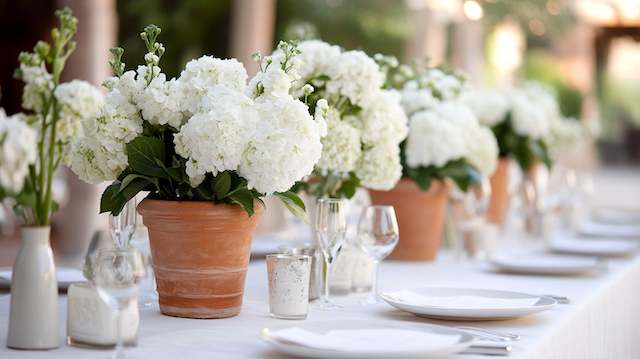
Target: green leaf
244	198
116	195
294	204
222	185
145	156
130	178
348	187
110	199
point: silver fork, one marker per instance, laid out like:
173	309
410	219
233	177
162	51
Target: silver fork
492	335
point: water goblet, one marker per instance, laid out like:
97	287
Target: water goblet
123	225
377	236
117	275
331	230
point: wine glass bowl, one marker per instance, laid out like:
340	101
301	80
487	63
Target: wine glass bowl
378	235
331	229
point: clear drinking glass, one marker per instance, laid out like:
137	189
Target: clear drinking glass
331	230
117	275
377	236
473	239
123	226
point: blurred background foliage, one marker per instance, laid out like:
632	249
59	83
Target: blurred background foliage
206	31
374	26
540	66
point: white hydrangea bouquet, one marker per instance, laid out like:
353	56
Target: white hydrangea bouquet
34	142
207	135
364	122
446	140
525	120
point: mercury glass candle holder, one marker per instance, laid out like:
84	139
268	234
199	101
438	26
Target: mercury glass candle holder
288	285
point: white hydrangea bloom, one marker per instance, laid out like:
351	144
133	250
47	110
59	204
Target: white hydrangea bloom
566	132
341	147
435	136
384	120
414	99
489	106
528	117
274	80
78	101
18	149
355	76
286	145
215	141
202	74
482	149
314	59
379	167
160	101
37	81
95	163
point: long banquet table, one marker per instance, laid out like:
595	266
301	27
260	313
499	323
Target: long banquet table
602	320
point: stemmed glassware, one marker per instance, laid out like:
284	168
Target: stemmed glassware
123	226
377	237
117	275
331	230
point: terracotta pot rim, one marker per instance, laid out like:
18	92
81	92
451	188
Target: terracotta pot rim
150	204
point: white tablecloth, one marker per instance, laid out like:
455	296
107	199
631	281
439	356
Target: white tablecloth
601	321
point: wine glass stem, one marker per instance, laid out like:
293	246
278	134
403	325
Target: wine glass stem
374	280
119	354
325	283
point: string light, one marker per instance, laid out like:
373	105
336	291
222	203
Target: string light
473	10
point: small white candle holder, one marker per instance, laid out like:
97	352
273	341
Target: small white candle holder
288	285
92	323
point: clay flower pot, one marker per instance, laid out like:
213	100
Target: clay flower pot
200	255
499	193
420	218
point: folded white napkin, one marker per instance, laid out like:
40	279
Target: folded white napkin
461	301
63	275
368	340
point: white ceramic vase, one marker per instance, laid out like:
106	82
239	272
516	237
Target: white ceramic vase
33	317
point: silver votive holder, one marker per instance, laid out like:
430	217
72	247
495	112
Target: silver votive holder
288	285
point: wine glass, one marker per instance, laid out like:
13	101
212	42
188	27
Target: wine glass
377	237
118	272
123	226
331	230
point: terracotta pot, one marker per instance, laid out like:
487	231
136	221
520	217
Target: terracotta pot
420	218
499	193
200	255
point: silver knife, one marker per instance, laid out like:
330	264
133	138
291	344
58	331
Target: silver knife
488	348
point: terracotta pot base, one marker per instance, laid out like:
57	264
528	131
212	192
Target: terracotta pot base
200	253
420	218
499	203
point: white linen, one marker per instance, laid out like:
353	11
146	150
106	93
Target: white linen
600	322
367	340
462	301
63	275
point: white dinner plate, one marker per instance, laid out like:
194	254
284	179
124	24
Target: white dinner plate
362	339
546	264
65	276
616	215
597	229
594	247
467	303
